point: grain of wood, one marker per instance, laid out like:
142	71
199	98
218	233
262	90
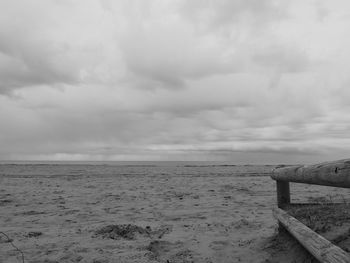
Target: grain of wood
336	173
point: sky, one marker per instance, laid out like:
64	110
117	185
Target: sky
240	81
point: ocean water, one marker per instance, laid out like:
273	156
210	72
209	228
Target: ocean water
87	169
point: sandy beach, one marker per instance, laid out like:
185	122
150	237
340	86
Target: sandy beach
80	213
136	131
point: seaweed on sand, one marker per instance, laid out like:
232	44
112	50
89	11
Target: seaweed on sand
130	232
126	231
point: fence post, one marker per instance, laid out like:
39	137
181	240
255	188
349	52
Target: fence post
336	174
283	198
283	193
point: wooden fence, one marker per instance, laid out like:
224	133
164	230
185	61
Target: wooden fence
335	174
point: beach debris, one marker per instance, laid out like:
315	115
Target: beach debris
4	202
30	213
130	231
125	231
34	234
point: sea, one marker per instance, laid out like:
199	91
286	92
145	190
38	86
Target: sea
130	168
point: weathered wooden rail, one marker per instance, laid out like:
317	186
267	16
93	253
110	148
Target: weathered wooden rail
335	174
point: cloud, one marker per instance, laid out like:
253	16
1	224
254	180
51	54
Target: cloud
222	13
176	80
52	43
283	59
165	50
171	52
26	56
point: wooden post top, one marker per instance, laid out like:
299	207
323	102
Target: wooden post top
336	173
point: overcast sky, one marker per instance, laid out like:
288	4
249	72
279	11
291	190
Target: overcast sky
252	81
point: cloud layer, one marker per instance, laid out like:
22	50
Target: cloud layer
241	81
